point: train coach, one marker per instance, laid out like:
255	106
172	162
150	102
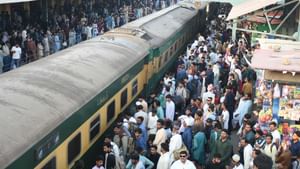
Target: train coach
54	110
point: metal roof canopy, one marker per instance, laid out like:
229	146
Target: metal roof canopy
248	6
254	5
13	1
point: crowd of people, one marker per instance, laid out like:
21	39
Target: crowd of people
204	115
24	40
193	117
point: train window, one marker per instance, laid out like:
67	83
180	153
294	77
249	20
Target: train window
181	41
171	51
51	164
159	62
134	88
74	148
124	98
175	46
94	127
166	56
110	112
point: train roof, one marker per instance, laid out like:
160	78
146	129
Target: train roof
38	97
161	25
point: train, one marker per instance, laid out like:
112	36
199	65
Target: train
54	110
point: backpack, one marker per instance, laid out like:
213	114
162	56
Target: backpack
271	148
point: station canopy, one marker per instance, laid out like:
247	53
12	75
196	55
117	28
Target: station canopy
245	7
13	1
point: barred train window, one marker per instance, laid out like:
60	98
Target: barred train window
166	56
134	88
160	61
171	52
124	98
110	112
94	128
51	164
74	148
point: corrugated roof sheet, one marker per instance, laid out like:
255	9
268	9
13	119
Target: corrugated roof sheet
248	6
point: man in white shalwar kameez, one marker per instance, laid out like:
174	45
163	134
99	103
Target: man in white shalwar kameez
170	108
175	141
160	136
183	162
164	161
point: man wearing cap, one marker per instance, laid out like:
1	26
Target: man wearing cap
236	162
208	127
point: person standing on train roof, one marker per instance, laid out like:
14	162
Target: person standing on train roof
170	108
141	112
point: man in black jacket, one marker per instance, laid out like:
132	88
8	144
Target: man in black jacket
154	155
109	158
229	102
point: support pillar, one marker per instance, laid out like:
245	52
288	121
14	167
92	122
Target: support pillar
233	33
298	37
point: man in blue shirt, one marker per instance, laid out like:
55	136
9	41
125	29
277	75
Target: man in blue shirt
142	126
295	147
139	140
148	164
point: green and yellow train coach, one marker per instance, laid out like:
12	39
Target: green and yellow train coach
54	111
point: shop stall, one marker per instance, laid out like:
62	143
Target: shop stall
279	84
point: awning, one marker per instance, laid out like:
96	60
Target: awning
249	6
268	59
260	19
14	1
